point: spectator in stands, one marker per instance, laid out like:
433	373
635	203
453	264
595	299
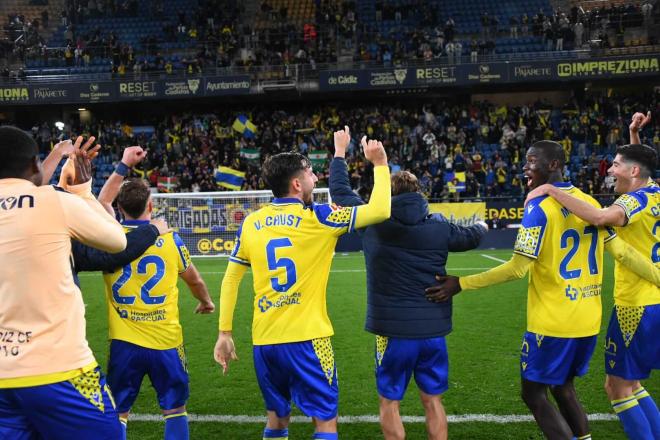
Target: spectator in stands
495	222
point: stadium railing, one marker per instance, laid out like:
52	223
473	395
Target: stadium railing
303	72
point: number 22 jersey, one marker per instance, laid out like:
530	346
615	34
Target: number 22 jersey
143	295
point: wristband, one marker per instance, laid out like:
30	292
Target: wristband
122	169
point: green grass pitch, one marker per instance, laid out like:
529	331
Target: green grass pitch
483	353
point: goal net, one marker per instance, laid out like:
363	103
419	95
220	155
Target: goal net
207	222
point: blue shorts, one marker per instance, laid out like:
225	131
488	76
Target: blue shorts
303	371
129	363
553	361
397	359
632	347
79	408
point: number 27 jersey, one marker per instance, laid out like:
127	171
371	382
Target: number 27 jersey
290	248
565	281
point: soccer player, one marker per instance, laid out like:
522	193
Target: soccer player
289	244
632	349
402	256
143	316
50	384
564	255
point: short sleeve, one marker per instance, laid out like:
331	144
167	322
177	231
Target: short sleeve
530	235
184	260
632	204
337	219
239	254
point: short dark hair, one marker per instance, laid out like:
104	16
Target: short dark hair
642	155
17	151
551	151
404	182
133	197
278	170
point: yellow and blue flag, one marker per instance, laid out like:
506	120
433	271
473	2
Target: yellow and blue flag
229	178
244	126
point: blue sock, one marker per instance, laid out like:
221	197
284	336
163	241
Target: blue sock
176	426
276	434
632	418
650	409
326	436
123	422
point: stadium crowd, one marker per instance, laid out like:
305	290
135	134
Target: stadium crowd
215	36
457	152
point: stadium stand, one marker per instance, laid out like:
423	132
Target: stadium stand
481	145
191	36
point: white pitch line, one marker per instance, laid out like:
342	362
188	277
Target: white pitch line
493	258
460	418
221	272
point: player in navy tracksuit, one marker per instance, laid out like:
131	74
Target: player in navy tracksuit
403	255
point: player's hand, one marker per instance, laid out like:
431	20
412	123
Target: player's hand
542	190
64	148
342	141
81	157
374	151
639	120
205	307
225	351
448	287
161	224
133	155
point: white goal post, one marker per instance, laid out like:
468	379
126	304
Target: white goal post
207	221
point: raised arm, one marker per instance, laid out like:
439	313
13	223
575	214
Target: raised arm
613	215
87	220
49	165
340	184
639	120
131	157
380	203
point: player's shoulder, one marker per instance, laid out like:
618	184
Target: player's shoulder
576	192
635	201
536	211
253	220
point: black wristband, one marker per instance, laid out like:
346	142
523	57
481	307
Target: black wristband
122	169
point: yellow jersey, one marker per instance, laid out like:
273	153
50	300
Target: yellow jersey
565	281
642	208
290	248
143	296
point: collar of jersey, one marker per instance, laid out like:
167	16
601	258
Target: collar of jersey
286	201
563	185
135	222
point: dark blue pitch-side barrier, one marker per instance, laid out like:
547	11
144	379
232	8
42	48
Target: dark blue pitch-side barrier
84	92
433	76
490	73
